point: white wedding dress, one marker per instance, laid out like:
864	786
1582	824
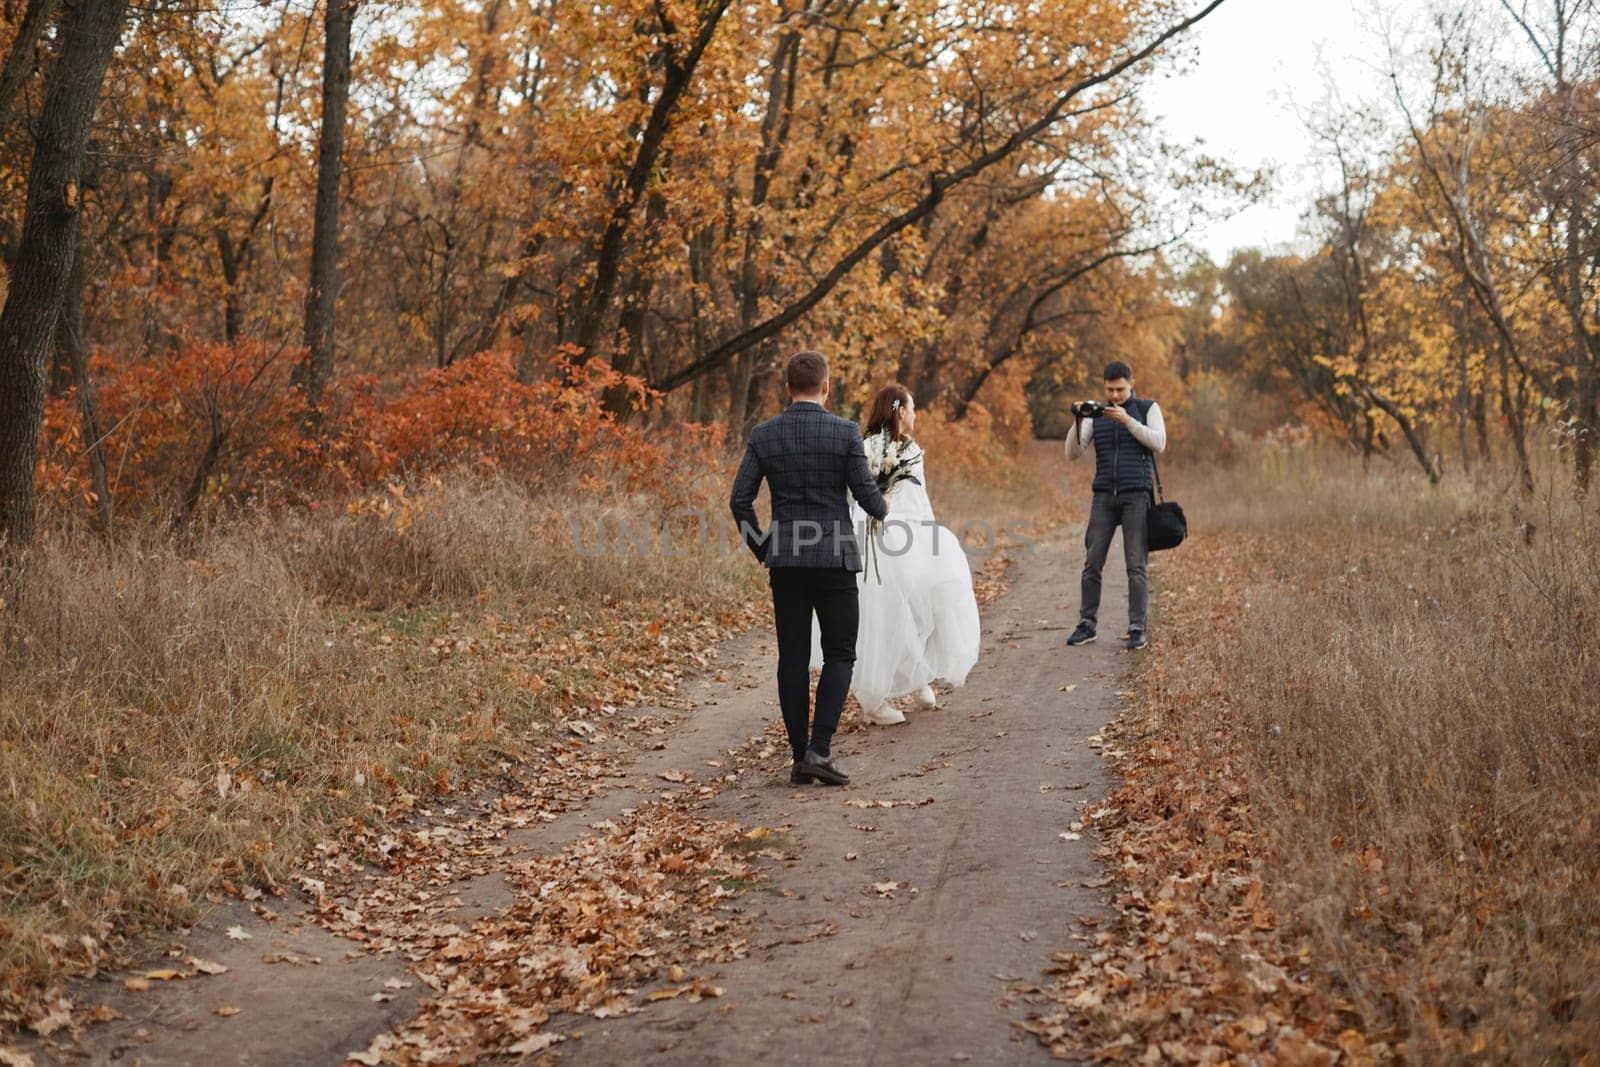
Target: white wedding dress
919	617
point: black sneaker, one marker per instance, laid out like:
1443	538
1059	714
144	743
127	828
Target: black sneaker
1082	635
1136	640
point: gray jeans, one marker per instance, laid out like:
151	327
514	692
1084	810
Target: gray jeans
1110	510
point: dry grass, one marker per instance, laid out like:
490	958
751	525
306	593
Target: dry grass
1413	682
175	720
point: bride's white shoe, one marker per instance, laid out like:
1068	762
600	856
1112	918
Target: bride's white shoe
927	698
885	714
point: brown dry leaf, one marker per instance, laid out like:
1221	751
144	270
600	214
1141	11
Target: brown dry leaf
667	994
52	1017
535	1043
164	974
885	889
226	1011
205	966
136	985
14	1057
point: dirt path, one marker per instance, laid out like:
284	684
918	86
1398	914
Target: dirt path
909	919
936	968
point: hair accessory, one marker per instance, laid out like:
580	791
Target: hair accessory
895	404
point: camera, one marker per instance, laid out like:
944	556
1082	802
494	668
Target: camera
1089	409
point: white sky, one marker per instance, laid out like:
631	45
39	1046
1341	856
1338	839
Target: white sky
1255	61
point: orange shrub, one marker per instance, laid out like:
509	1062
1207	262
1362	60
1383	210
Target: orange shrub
213	426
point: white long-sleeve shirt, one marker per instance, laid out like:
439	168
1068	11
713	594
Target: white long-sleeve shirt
1152	433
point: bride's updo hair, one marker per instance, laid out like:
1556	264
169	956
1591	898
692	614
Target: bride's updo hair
885	410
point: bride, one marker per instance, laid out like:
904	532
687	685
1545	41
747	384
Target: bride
919	618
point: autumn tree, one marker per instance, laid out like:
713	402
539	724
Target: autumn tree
42	269
322	293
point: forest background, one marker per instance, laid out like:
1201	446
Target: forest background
322	320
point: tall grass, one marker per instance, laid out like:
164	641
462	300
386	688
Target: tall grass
174	717
1415	679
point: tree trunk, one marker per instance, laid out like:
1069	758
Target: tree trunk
739	374
1480	424
1512	409
19	61
1586	420
1408	429
762	374
42	269
72	350
322	296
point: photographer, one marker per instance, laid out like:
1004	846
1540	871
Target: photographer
1123	433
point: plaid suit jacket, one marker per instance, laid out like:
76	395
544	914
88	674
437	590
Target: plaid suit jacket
809	459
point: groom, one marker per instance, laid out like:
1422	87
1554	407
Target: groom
809	459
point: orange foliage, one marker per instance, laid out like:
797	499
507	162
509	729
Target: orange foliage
160	418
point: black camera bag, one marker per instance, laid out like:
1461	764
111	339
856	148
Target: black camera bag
1165	526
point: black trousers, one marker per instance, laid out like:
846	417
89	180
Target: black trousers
830	594
1128	510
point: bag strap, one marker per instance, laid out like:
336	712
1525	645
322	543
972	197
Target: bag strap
1155	468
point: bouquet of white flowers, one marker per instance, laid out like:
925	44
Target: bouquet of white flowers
892	463
896	460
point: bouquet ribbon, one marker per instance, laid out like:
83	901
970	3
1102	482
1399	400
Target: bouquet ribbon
874	526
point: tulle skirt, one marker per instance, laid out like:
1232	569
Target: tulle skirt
919	617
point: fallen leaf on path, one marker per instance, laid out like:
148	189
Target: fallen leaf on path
54	1017
226	1011
164	974
1071	837
238	933
885	889
535	1043
205	966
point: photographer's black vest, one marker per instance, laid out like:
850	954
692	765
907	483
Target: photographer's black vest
1121	463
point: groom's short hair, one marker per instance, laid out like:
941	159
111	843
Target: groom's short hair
806	371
